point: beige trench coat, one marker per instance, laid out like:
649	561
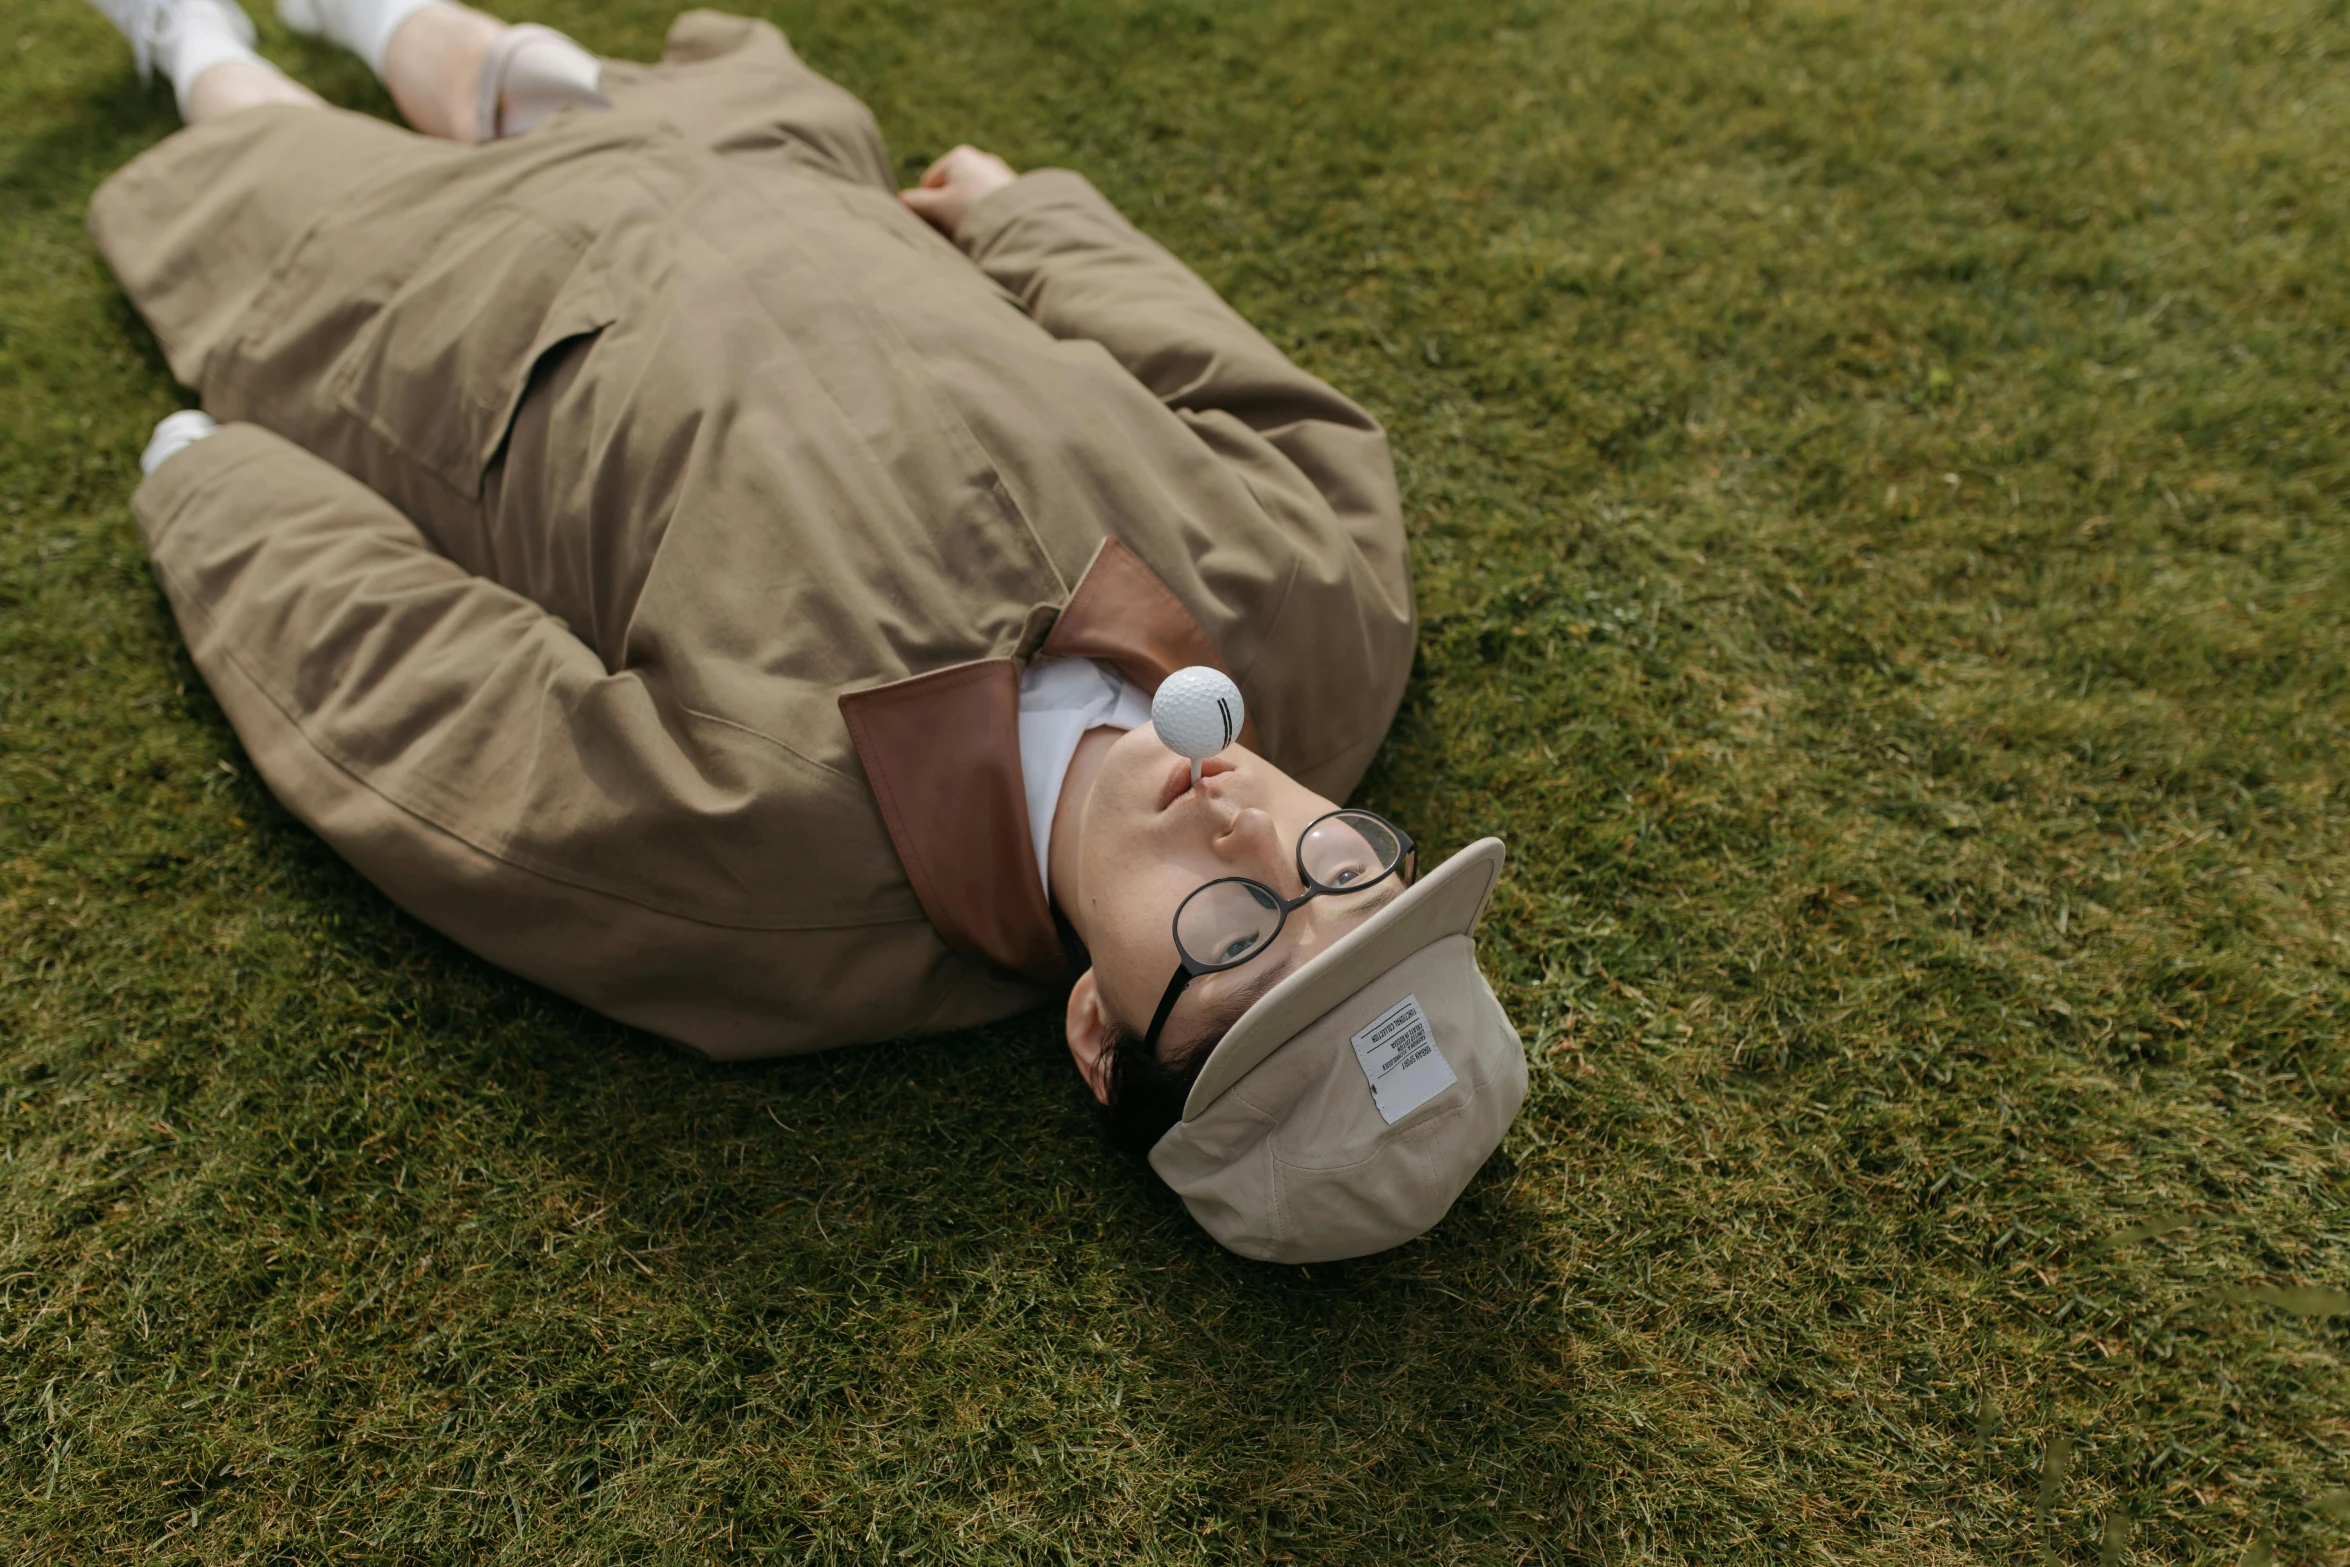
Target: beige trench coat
631	533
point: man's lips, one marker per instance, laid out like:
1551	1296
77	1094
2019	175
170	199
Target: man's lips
1178	783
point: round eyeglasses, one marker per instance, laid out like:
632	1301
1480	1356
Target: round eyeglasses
1226	922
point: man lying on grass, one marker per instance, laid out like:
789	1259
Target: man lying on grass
654	556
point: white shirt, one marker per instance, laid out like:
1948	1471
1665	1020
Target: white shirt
177	432
1060	698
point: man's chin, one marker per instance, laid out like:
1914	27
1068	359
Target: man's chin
1134	774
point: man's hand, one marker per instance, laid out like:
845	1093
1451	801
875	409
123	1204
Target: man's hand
953	185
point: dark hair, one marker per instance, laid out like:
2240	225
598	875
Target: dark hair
1144	1095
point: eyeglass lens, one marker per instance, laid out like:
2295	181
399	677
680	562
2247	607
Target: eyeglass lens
1341	851
1226	921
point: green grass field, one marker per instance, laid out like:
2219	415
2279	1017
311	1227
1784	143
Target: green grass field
1877	481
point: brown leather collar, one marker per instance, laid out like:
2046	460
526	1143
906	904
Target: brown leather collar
942	752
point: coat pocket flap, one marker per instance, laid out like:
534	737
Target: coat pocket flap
439	370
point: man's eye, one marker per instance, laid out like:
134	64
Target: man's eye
1238	945
1344	877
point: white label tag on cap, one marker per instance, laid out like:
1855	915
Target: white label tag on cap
1399	1055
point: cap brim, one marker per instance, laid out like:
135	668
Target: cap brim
1447	901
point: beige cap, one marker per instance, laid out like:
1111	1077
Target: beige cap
1345	1110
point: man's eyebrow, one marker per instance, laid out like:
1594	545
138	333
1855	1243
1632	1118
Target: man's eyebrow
1227	1012
1364	908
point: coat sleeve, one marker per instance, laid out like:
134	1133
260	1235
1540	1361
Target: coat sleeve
1082	271
1317	465
472	758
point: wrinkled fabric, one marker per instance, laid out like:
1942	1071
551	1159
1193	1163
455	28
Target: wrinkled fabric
568	484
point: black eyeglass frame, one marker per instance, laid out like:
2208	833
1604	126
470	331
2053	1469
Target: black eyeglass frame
1407	860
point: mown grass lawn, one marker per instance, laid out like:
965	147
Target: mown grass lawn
1878	491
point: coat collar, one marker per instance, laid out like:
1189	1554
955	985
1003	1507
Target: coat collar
942	752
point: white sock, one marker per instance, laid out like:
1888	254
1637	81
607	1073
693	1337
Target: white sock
183	38
206	33
364	27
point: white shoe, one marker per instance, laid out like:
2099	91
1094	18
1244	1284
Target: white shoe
156	27
529	75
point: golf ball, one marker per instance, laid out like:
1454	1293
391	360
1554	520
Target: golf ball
1197	712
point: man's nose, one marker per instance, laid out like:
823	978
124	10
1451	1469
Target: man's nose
1253	844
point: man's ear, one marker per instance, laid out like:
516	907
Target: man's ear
1087	1024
